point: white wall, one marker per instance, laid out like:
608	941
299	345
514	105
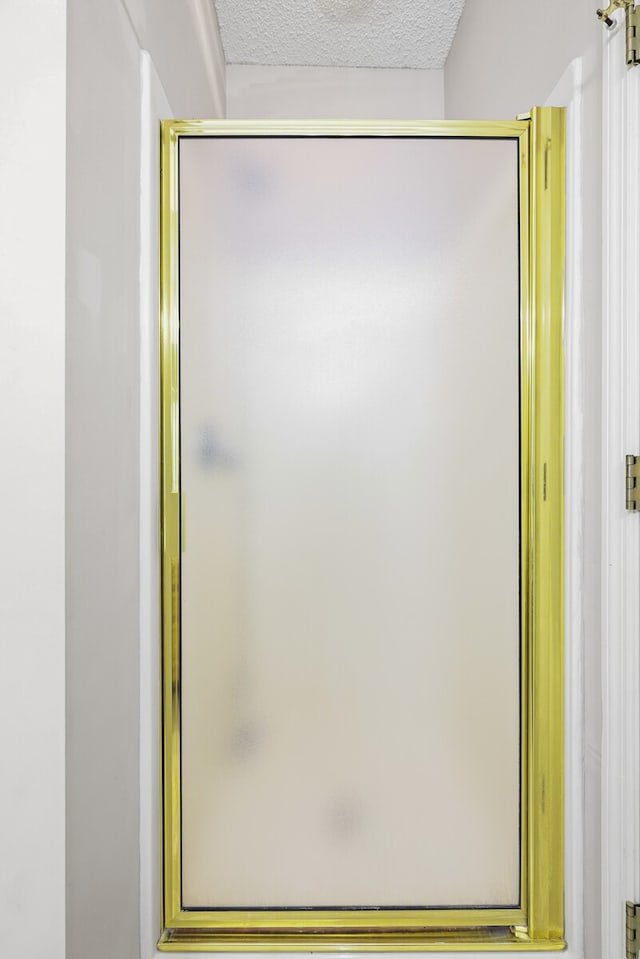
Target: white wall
32	232
499	65
507	56
288	92
183	40
103	442
102	502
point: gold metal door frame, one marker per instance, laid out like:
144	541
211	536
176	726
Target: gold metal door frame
538	923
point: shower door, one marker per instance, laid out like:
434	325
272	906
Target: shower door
362	513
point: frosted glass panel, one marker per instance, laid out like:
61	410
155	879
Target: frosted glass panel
350	470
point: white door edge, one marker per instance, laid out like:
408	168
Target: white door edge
621	530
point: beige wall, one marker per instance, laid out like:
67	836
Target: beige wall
103	446
329	92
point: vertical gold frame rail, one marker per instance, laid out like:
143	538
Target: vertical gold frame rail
537	923
170	532
545	654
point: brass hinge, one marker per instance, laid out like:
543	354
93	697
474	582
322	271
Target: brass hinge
633	913
632	15
632	500
605	15
633	36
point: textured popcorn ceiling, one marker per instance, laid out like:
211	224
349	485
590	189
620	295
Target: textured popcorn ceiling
347	33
